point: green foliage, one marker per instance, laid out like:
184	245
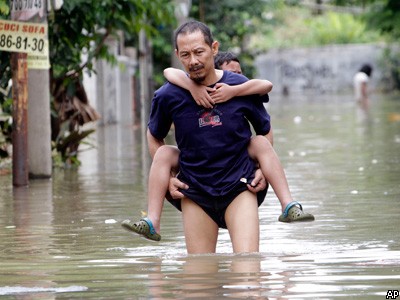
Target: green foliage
5	104
77	37
384	15
232	22
5	135
299	28
162	51
334	28
390	65
82	26
5	77
4	8
79	31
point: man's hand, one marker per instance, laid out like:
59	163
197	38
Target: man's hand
259	183
174	185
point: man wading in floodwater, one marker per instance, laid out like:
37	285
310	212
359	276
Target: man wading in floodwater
213	143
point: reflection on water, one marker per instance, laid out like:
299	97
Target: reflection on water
61	239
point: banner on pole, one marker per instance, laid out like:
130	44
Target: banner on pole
30	38
25	10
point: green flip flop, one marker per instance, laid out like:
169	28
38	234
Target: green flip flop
144	228
294	213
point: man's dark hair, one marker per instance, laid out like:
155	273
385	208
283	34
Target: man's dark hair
193	26
367	69
224	57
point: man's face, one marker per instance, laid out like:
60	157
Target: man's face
195	55
232	66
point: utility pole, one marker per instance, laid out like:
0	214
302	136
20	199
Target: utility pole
39	122
20	42
26	37
19	67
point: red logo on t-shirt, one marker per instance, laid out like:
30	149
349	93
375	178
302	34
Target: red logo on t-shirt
209	118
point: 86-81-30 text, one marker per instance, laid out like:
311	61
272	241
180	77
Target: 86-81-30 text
21	43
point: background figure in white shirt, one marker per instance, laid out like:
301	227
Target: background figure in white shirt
360	83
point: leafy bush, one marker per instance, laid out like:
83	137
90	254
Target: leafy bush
334	28
299	28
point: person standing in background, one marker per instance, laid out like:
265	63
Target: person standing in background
360	83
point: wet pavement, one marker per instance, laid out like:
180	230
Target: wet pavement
62	239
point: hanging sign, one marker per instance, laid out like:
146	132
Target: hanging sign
28	38
25	10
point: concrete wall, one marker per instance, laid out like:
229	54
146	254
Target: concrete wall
106	91
319	70
111	89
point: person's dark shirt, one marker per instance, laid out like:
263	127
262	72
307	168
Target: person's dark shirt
212	142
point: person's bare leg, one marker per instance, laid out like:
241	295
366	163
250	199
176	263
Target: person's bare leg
243	224
201	232
165	160
247	269
261	150
270	137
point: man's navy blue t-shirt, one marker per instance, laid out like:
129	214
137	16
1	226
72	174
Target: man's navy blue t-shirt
212	142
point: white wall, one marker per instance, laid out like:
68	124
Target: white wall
320	69
110	89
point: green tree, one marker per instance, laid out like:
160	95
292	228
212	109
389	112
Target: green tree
4	9
232	22
384	15
80	29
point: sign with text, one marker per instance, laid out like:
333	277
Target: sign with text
28	38
25	37
24	10
38	62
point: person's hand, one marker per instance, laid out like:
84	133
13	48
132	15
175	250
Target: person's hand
174	185
259	182
223	92
200	94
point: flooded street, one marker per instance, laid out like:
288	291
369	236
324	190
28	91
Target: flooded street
62	239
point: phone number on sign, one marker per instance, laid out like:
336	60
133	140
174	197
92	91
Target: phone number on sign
22	44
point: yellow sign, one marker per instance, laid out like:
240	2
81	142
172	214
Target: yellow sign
38	62
26	37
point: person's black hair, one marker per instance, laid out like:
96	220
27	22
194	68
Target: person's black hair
224	57
367	69
193	26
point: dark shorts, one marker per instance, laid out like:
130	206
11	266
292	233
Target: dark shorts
215	207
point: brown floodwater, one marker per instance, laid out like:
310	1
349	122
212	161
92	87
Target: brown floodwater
62	239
